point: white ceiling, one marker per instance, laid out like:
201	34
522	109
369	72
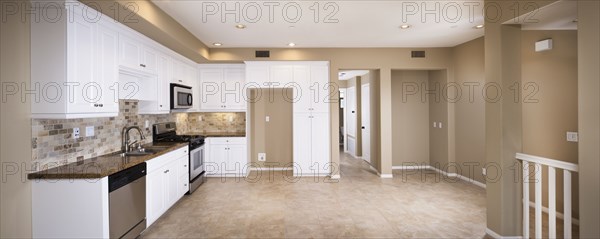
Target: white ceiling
556	16
347	75
359	23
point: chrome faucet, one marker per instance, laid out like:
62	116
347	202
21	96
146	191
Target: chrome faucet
125	145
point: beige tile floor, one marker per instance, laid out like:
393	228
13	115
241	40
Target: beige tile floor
359	205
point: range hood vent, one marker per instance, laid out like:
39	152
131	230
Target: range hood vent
263	54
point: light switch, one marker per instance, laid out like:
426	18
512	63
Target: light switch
147	124
572	136
89	131
440	125
435	124
267	119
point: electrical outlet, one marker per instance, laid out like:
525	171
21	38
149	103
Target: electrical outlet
200	118
146	124
267	118
262	157
76	133
572	137
484	171
89	131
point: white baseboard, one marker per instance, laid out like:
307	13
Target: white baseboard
558	214
452	175
497	236
271	169
337	176
387	175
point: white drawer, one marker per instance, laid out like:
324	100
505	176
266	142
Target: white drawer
228	140
158	162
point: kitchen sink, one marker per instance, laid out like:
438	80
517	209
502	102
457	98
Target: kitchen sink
143	152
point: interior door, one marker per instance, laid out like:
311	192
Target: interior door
366	122
351	111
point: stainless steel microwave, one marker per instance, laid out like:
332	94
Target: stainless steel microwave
181	97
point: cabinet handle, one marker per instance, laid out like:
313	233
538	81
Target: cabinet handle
166	171
142	65
185	185
185	166
180	81
95	105
160	106
101	105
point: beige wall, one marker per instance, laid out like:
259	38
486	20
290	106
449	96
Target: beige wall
410	117
15	125
274	137
356	82
438	112
588	37
470	108
553	110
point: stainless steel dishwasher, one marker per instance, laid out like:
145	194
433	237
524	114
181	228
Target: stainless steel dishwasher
127	202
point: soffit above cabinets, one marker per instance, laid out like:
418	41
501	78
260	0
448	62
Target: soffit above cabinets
276	24
560	15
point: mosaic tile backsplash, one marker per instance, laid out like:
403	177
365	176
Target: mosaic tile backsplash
53	143
212	122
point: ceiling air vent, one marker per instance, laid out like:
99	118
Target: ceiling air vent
417	54
263	54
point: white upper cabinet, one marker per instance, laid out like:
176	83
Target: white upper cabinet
183	73
135	55
222	88
74	66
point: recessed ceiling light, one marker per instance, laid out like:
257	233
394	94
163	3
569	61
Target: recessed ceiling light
217	44
405	26
479	26
240	26
291	44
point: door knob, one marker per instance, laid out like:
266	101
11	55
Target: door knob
362	127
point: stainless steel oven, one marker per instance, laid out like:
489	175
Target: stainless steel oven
196	168
181	97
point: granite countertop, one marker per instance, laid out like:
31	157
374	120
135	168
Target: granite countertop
218	133
104	165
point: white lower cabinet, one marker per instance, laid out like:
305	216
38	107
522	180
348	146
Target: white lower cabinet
163	183
226	157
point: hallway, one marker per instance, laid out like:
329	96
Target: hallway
360	204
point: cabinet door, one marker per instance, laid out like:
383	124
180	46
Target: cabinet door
178	72
183	185
149	62
320	143
81	55
211	81
237	161
129	52
106	67
155	199
256	76
217	157
163	94
302	143
281	75
171	183
325	93
303	92
232	89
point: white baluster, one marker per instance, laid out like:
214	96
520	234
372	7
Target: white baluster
551	202
538	200
567	203
525	200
